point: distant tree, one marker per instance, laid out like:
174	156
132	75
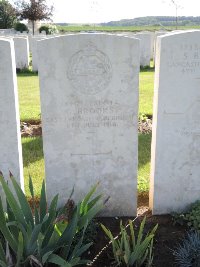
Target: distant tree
34	10
21	27
7	15
49	29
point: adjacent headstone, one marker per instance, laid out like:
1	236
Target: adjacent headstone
157	34
145	45
175	166
152	43
35	58
10	139
145	48
21	52
89	102
30	42
43	33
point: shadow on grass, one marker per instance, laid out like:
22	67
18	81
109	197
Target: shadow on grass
144	149
32	150
27	74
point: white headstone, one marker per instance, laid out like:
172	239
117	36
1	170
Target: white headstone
10	139
157	34
89	101
35	59
43	33
175	166
145	48
152	44
30	36
21	52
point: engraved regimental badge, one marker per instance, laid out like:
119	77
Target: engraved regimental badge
90	70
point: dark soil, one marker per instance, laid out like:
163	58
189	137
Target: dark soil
145	126
166	239
31	129
168	236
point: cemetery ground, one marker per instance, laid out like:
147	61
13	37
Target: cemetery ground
168	235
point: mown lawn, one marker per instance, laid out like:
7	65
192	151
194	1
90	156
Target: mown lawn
33	157
33	160
29	97
146	93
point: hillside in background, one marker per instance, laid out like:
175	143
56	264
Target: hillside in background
155	21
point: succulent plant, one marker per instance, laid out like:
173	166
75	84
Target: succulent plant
187	254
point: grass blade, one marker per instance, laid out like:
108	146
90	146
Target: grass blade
2	254
140	234
51	215
132	234
12	202
43	203
5	230
23	202
53	258
31	187
36	214
20	250
69	233
3	264
89	215
87	198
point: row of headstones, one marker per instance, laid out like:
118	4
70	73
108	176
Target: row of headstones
89	102
9	32
26	44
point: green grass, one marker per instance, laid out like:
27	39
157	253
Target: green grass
33	160
29	97
146	92
144	156
78	28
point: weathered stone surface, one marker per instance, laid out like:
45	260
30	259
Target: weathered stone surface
145	48
34	41
175	165
21	52
89	96
10	140
157	34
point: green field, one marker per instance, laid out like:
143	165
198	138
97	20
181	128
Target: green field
33	158
82	28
